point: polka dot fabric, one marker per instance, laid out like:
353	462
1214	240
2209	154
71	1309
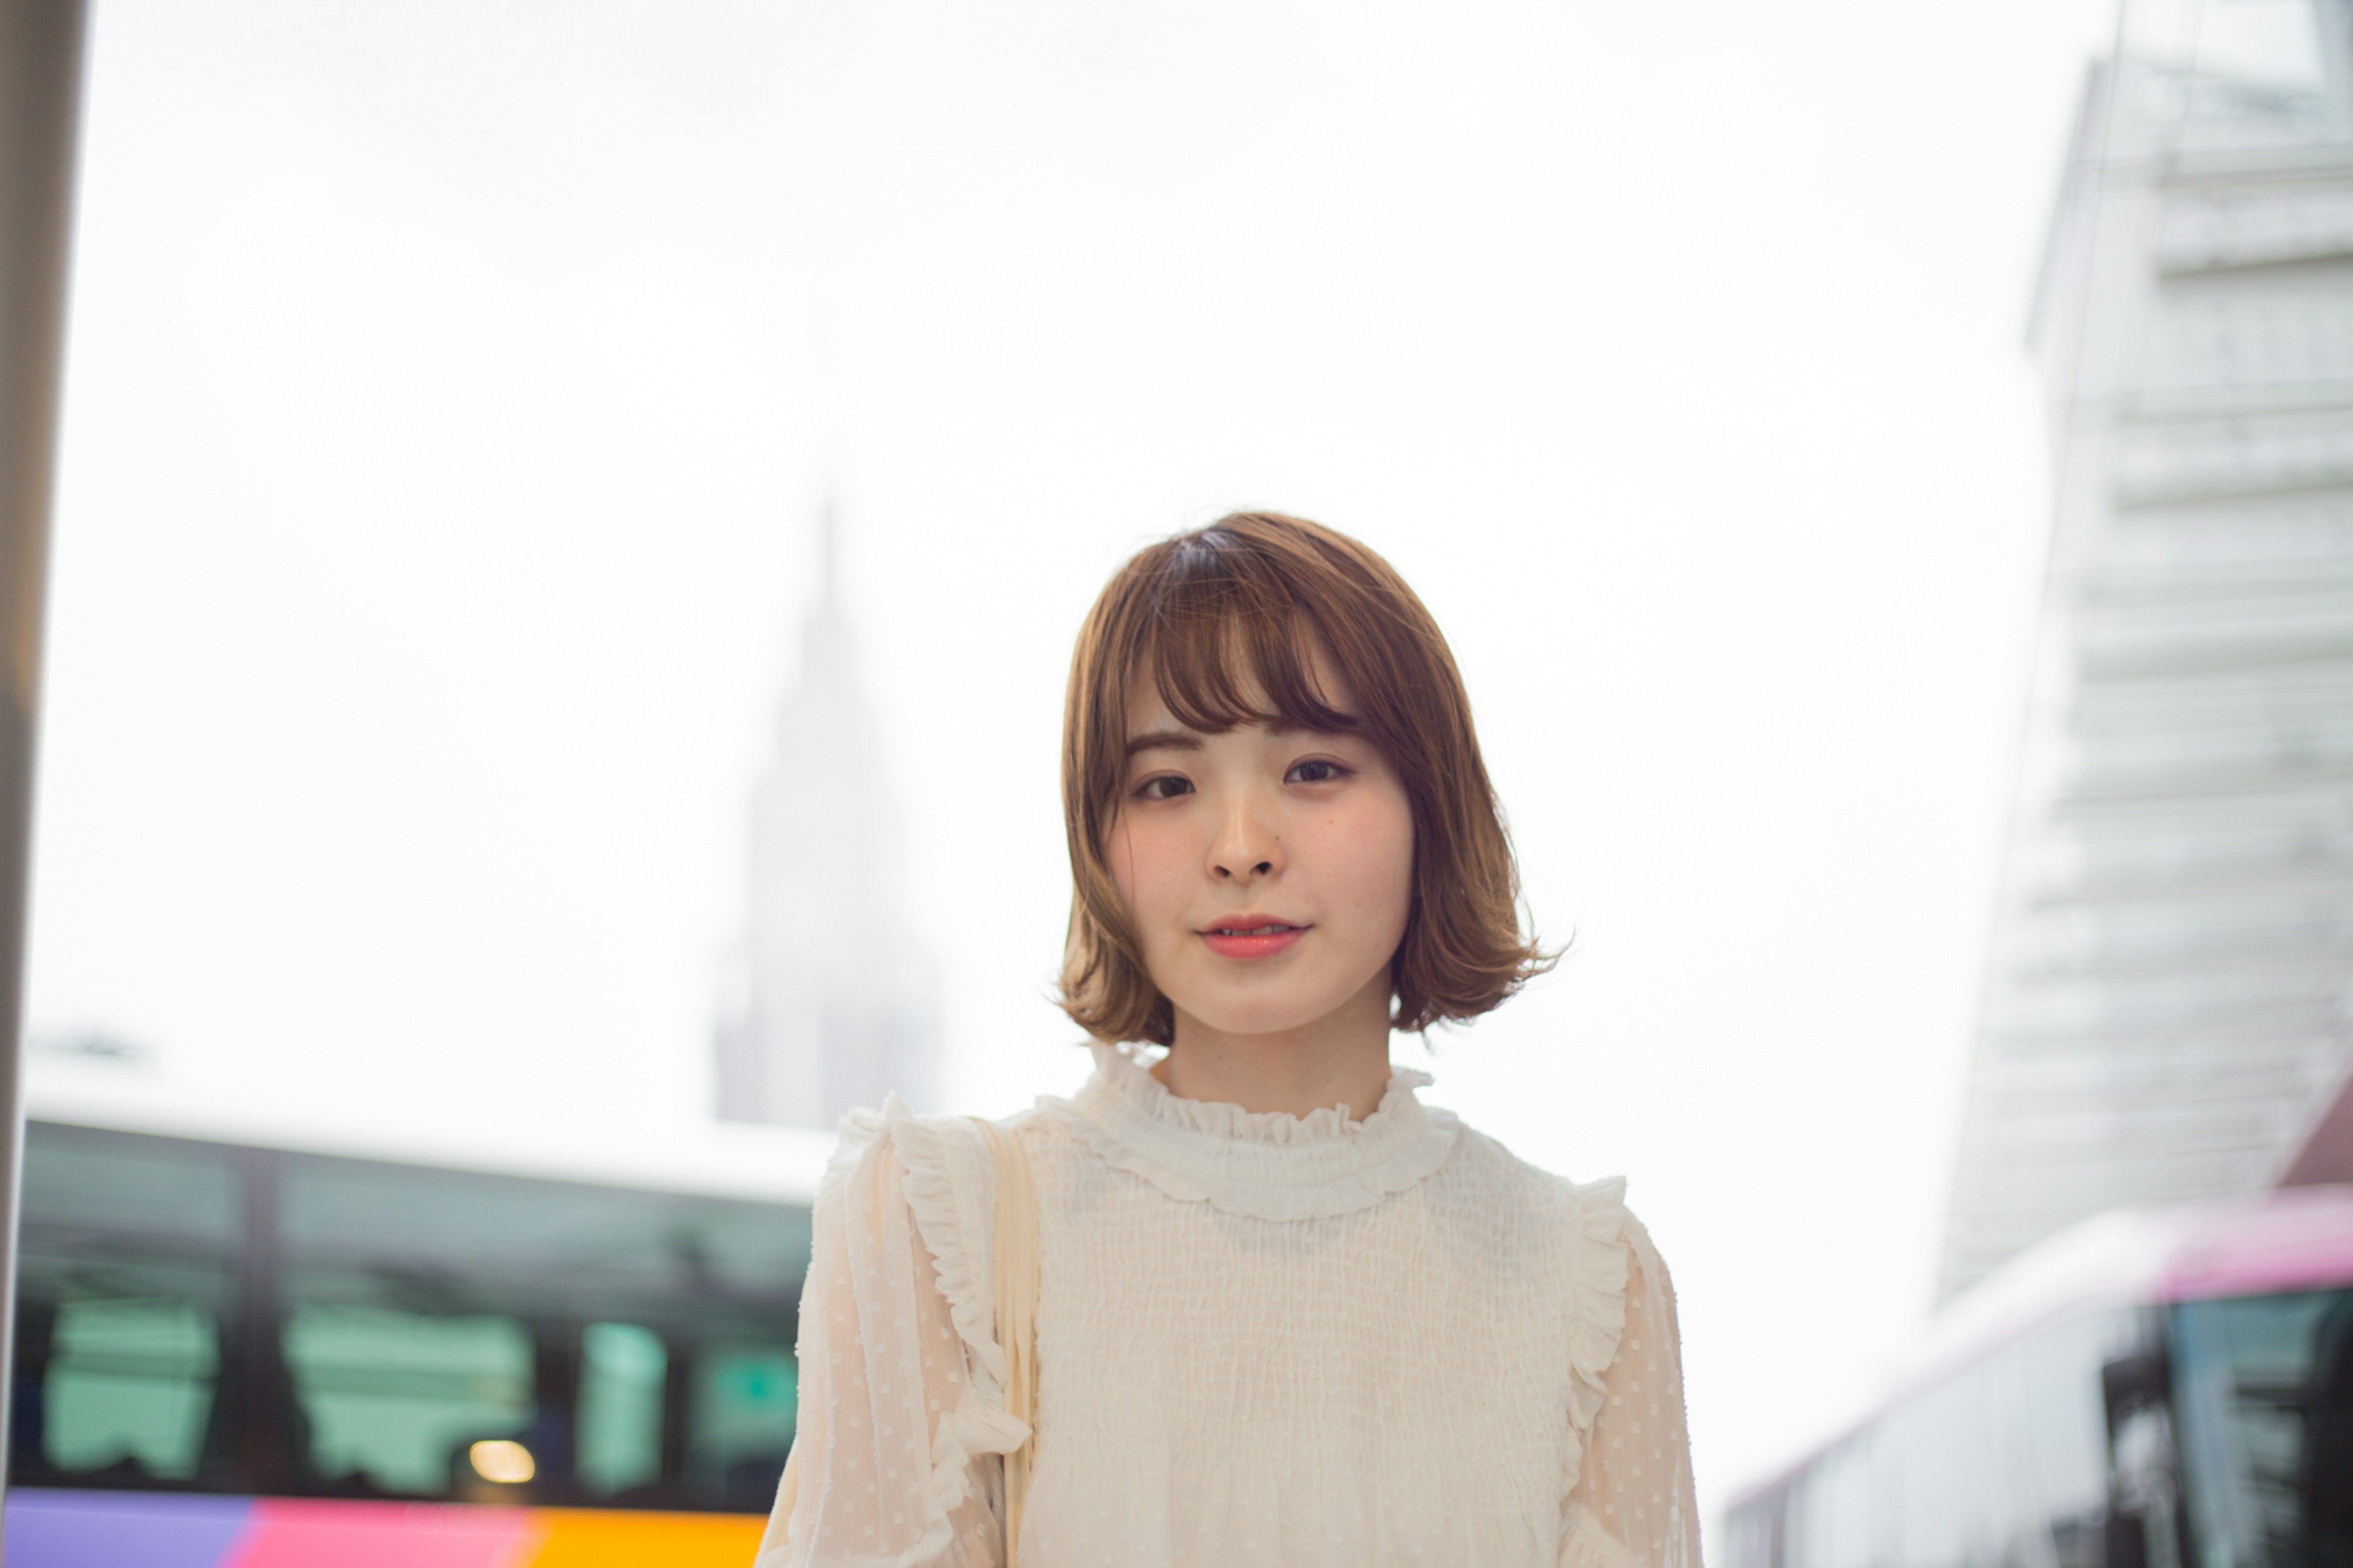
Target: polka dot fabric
895	1418
1635	1484
1263	1340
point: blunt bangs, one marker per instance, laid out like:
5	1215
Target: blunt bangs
1216	636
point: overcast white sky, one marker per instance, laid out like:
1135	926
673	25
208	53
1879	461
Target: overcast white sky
452	385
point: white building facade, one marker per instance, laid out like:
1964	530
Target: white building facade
831	1001
2168	1004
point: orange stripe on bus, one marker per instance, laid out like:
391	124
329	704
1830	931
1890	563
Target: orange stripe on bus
601	1538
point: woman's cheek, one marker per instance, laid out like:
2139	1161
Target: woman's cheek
1157	875
1132	874
1389	864
1377	847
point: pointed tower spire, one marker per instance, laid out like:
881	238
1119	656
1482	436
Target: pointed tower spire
838	1001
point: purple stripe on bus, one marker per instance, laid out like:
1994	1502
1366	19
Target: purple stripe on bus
57	1528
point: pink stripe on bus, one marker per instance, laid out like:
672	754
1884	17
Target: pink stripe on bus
291	1533
2301	1239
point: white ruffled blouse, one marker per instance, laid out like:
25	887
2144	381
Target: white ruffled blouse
1262	1339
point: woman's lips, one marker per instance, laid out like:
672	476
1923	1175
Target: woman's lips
1252	937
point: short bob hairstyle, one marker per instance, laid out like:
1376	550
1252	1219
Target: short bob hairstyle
1230	616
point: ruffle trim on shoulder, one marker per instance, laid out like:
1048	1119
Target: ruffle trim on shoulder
1585	1544
951	1187
858	1132
1599	1322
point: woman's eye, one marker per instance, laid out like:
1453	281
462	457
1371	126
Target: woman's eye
1315	773
1167	786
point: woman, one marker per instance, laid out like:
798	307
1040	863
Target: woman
1286	1312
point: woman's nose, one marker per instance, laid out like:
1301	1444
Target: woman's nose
1248	846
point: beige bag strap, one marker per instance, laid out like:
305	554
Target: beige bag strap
1017	1325
1017	1312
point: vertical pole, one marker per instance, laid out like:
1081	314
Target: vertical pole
40	112
677	1412
267	1424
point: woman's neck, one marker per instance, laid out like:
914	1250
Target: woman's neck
1341	1058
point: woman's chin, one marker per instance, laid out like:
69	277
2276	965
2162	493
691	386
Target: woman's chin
1260	1015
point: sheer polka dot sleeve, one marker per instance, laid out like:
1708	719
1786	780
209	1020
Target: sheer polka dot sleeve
1633	1505
894	1460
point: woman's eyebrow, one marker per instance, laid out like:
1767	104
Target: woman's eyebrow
1160	740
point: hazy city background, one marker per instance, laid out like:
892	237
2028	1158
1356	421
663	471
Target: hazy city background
455	392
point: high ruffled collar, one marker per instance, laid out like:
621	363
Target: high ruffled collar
1265	1164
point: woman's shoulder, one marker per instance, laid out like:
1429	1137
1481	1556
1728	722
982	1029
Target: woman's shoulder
943	1164
921	1145
1485	1166
1574	1241
938	1169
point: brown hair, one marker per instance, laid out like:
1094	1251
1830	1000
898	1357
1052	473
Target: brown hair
1249	600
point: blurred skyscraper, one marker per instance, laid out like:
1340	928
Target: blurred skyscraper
831	1002
2168	1004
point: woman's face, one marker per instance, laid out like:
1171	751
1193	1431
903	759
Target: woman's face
1267	873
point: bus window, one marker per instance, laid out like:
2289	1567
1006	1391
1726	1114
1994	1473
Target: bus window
244	1320
1931	1504
622	1369
2004	1461
129	1384
2265	1384
126	1279
394	1399
744	1398
1831	1527
2058	1424
84	1180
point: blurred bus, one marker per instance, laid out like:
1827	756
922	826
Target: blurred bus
269	1353
2149	1390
